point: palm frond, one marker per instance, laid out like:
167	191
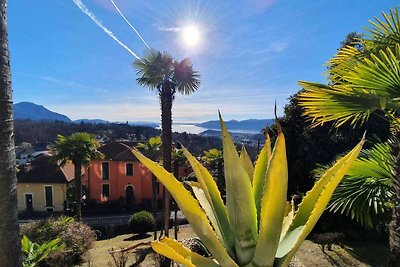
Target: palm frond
153	69
383	32
185	78
366	191
359	90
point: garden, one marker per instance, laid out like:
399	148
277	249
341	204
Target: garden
323	188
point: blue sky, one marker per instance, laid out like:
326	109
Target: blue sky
253	52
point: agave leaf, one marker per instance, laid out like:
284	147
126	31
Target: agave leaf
316	200
179	253
287	242
201	197
239	201
287	220
213	196
259	174
246	162
190	207
163	249
273	205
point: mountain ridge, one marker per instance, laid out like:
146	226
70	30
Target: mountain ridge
34	112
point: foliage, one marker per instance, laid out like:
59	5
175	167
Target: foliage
360	81
152	148
366	191
156	69
307	147
254	229
79	148
142	222
47	131
77	238
33	253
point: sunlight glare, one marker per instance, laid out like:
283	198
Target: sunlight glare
191	35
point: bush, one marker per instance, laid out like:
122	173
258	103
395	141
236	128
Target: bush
142	222
76	237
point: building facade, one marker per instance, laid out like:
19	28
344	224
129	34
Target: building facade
118	177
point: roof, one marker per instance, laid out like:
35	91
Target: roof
43	170
118	151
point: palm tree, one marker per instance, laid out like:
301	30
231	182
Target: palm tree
9	230
152	149
161	73
79	148
214	158
361	82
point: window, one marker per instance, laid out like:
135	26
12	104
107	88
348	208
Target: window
105	190
105	170
129	169
48	191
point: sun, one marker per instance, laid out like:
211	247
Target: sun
191	35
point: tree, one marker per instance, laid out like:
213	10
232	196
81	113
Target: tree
152	149
9	230
214	158
79	148
161	73
360	83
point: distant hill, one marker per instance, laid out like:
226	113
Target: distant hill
93	121
145	123
31	111
245	125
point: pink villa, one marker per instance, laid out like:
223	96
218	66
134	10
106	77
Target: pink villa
118	176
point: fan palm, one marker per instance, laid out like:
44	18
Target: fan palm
161	73
79	148
365	193
9	236
361	82
152	149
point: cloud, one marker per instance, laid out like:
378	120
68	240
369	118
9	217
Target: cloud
72	84
168	29
274	47
280	46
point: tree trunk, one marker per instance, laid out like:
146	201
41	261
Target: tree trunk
10	244
78	191
166	127
394	226
220	178
175	206
154	203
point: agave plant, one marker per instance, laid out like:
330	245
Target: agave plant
257	227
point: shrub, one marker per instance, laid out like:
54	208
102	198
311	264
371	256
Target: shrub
142	222
77	238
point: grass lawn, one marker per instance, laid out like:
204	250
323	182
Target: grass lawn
309	254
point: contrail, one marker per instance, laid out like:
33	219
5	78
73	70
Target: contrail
85	10
127	21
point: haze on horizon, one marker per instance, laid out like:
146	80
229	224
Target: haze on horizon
250	54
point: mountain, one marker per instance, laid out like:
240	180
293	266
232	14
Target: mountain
92	121
31	111
251	125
